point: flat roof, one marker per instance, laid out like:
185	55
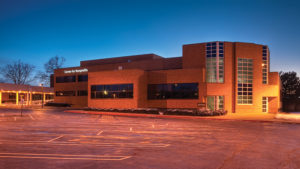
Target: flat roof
27	88
121	59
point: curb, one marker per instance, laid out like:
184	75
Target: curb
175	116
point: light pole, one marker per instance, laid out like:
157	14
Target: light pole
41	84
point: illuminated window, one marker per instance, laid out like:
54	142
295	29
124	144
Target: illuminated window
173	91
264	104
65	93
37	96
265	65
215	102
49	96
215	62
112	91
12	96
245	81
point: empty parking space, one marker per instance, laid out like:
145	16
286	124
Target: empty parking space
55	139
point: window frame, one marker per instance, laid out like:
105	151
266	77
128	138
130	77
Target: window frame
173	91
106	91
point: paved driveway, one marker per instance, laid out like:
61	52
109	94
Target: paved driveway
43	139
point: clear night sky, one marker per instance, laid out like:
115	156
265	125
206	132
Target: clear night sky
35	30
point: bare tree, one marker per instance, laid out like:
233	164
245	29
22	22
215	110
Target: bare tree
55	62
18	72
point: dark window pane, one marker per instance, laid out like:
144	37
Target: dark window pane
173	91
65	93
82	93
65	79
82	78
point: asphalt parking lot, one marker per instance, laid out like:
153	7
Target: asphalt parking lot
43	139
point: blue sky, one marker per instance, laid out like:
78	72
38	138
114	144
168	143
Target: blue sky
35	30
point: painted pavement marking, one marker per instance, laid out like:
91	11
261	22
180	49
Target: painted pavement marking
99	133
55	138
78	142
31	117
63	156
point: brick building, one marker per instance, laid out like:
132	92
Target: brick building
233	76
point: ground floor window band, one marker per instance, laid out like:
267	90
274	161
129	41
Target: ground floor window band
173	91
215	102
112	91
65	93
82	93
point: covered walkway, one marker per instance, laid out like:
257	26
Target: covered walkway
24	94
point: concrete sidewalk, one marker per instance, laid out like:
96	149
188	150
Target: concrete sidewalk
243	117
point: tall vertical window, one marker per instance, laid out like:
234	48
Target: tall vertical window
264	104
245	81
265	64
215	62
215	102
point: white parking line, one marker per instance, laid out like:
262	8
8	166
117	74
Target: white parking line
99	133
31	117
99	144
56	138
63	156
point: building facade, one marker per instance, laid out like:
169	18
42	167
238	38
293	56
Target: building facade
233	76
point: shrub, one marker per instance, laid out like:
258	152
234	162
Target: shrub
183	112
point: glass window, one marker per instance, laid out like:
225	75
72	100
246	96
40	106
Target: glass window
82	78
82	93
112	91
65	79
215	63
265	65
49	96
65	93
245	80
265	104
173	91
215	102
